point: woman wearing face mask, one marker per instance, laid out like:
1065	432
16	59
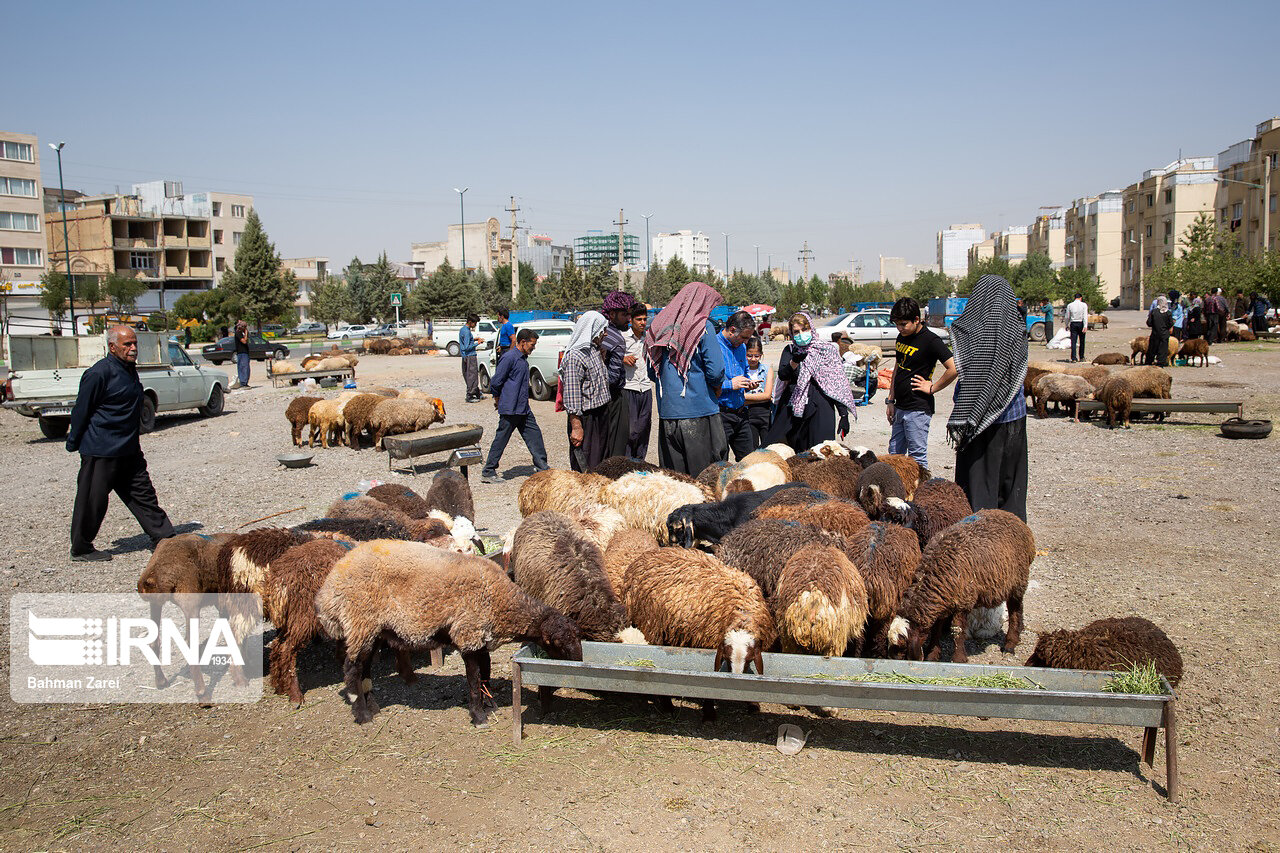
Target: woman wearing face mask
810	389
759	401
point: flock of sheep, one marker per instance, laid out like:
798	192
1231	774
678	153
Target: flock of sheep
827	552
377	412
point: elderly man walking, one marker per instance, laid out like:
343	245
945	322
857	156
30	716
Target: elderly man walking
104	429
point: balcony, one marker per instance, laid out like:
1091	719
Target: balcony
136	243
144	273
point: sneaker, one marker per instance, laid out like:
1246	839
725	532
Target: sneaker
490	479
90	557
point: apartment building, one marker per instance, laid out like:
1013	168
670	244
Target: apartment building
978	252
163	240
1011	244
481	242
541	253
954	242
22	241
1048	235
309	272
597	247
1157	211
896	271
1093	239
694	249
1245	198
228	213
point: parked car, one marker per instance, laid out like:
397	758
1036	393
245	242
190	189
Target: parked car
871	326
382	330
272	330
350	333
544	361
446	335
311	329
260	349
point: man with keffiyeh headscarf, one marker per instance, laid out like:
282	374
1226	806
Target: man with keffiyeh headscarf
988	423
687	367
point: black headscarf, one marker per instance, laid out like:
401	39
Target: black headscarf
989	340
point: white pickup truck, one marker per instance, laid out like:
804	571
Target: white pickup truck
446	334
45	370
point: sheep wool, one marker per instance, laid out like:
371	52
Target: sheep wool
938	505
843	518
363	506
185	563
615	466
820	606
397	417
1196	348
293	579
837	476
1117	395
1061	388
296	414
451	493
877	484
357	413
759	470
645	500
559	490
402	498
326	422
627	544
599	522
910	472
355	529
761	548
1111	358
1094	374
794	497
1109	644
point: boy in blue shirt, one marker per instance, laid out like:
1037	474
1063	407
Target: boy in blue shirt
505	332
510	388
470	365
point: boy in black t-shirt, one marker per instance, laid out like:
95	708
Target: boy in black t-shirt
910	405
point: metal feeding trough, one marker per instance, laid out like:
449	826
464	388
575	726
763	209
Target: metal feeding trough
295	460
1055	695
410	445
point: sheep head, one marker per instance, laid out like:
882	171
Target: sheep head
863	456
559	637
632	636
739	646
903	633
828	449
900	512
680	527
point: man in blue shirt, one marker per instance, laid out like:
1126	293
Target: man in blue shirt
505	332
470	366
510	388
738	329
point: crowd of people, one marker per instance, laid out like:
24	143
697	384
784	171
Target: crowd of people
1199	315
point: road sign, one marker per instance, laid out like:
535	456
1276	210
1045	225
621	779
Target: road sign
395	299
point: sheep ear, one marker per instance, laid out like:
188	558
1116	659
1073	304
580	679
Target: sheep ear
759	659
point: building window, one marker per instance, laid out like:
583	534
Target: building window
220	264
1093	244
1237	210
1151	199
217	208
1093	219
141	261
237	210
235	237
1272	203
18	151
1222	214
1132	205
21	257
17	186
1146	262
31	222
217	235
1148	230
1168	196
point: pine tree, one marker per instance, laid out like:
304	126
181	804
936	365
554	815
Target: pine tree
256	278
655	290
817	291
331	303
446	293
677	275
840	298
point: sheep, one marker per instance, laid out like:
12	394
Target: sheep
876	484
357	413
553	560
841	517
416	597
615	466
1245	333
310	361
283	368
1116	394
1149	381
1139	346
1097	320
645	500
708	523
820	605
795	497
355	529
709	477
681	597
886	557
1174	346
402	498
415	394
762	546
451	494
396	416
1095	375
837	476
981	561
758	470
1196	348
1061	388
1112	358
911	472
599	522
1232	329
296	414
382	391
626	545
332	363
1035	370
558	489
938	504
1109	644
325	419
356	505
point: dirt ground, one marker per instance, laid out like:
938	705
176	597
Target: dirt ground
1165	521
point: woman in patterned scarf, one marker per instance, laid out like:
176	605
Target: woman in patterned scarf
810	388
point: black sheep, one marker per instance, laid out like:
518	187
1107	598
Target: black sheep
710	522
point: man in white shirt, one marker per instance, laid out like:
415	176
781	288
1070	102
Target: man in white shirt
1077	319
638	386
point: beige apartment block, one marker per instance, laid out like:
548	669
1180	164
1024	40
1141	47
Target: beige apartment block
1246	194
1048	235
1157	211
954	242
897	271
1011	244
22	242
309	272
228	214
980	252
171	251
1093	237
485	248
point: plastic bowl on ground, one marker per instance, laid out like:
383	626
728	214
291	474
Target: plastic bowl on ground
295	460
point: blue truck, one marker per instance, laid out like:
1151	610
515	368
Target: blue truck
944	310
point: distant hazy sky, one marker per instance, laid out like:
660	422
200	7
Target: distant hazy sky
860	127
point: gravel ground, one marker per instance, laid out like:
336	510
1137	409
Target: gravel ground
1161	521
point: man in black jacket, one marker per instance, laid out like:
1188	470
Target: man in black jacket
104	428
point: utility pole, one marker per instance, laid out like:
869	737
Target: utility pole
622	257
757	248
515	260
727	235
647	260
806	255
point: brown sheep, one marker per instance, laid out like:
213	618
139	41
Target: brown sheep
363	506
844	518
1109	644
357	414
1061	388
1116	394
402	498
982	561
1246	333
1139	346
837	476
792	498
558	489
879	482
451	494
1036	369
1112	358
887	557
627	544
614	467
761	547
326	422
911	472
938	505
1095	375
1149	381
396	417
820	606
296	413
1097	320
1196	348
709	477
1174	347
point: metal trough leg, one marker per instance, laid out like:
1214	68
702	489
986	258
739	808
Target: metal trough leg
1170	752
517	705
1149	745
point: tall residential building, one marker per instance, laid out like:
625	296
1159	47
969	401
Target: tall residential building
1047	235
693	249
979	252
309	272
1011	244
597	247
953	247
1093	242
22	239
161	237
484	245
1157	211
1246	197
546	258
229	212
897	271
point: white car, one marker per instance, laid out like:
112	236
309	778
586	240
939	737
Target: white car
871	326
349	333
544	362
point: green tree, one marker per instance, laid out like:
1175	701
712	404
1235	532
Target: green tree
263	288
377	282
598	280
53	295
677	275
448	292
1035	279
986	266
1079	280
770	291
191	306
841	296
123	292
331	302
791	298
655	290
740	290
928	284
817	291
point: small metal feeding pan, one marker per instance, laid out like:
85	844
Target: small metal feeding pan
295	460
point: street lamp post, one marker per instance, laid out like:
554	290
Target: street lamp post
66	240
647	261
757	248
462	214
727	235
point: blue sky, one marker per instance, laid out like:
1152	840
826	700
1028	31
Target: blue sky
862	128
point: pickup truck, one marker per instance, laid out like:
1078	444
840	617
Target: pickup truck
446	335
45	370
